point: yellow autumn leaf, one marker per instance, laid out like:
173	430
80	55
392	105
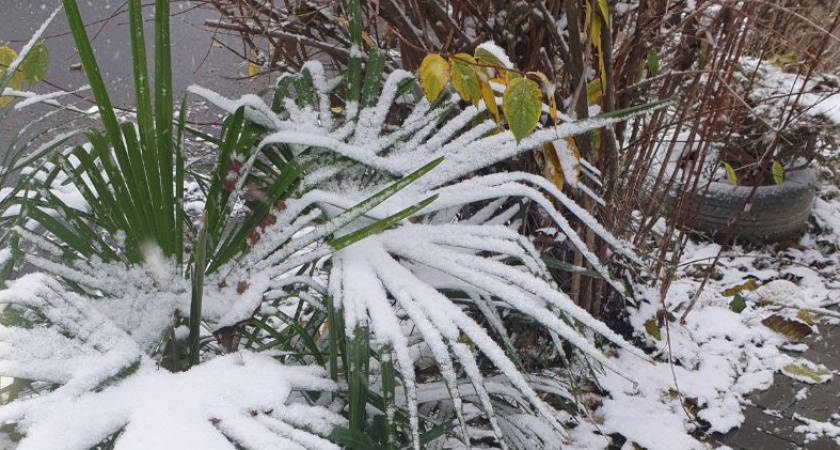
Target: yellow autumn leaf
749	285
730	174
490	101
807	372
487	55
548	87
553	171
605	11
652	328
368	40
778	173
595	21
594	91
7	56
484	56
434	75
365	37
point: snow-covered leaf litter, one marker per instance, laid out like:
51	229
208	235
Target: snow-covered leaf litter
392	270
719	355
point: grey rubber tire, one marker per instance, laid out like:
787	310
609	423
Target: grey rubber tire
776	212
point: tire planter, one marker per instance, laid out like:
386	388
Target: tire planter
776	213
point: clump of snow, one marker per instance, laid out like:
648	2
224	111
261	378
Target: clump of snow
814	429
108	384
780	292
239	397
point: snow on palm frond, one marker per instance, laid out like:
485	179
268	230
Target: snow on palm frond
73	343
110	388
518	423
399	283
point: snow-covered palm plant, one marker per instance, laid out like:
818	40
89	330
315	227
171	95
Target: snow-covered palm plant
424	305
350	225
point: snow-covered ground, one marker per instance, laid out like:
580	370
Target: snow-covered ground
742	330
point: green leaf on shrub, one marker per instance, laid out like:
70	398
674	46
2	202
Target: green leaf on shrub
653	63
790	328
730	174
522	105
737	304
464	79
34	66
778	173
484	56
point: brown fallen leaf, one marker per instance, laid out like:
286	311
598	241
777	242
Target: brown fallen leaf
792	329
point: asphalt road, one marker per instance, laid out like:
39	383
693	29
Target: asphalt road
195	59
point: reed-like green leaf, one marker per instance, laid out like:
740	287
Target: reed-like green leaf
96	193
353	439
62	232
178	165
373	77
297	330
141	197
163	125
389	386
357	377
97	85
216	206
197	296
337	340
143	98
380	225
